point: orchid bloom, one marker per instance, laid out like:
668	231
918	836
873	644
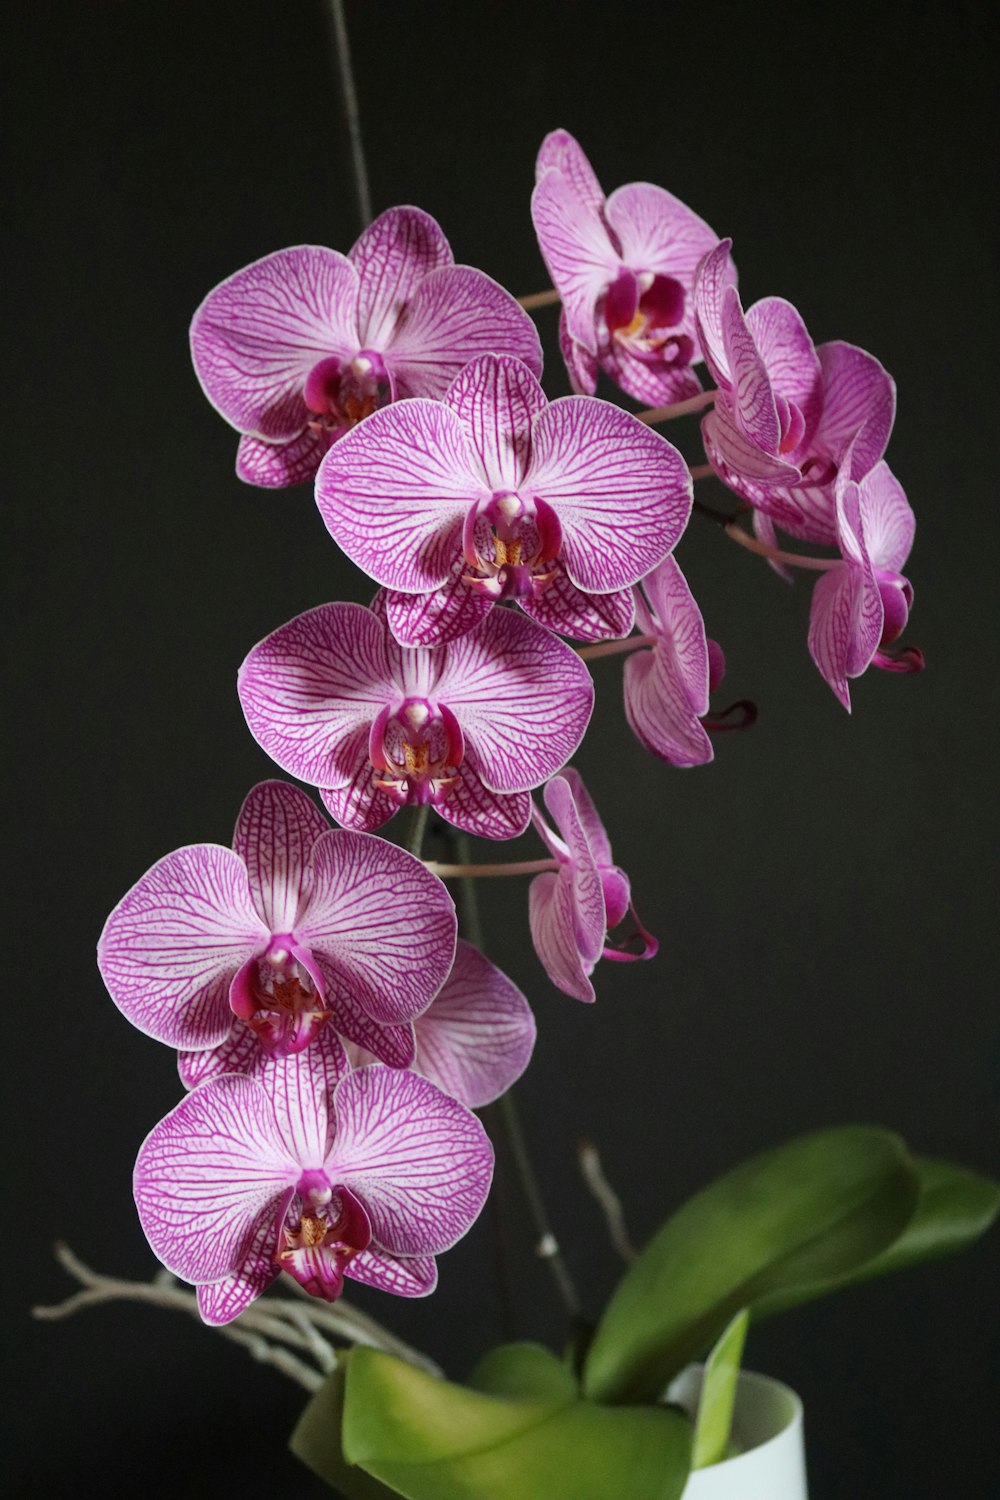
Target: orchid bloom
789	418
624	268
298	347
298	925
861	604
667	687
475	1040
470	727
301	1165
496	493
572	909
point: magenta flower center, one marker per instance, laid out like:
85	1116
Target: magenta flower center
278	996
340	393
642	312
511	544
318	1245
417	748
897	600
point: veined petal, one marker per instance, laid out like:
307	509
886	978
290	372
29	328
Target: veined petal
658	711
220	1302
577	250
550	916
655	382
496	397
581	364
580	873
886	517
275	465
471	805
172	945
682	631
784	345
562	607
659	233
621	491
393	256
752	393
255	338
206	1175
311	689
383	921
563	152
404	1275
522	699
435	619
715	274
393	1045
275	831
299	1087
477	1037
395	491
457	314
236	1054
418	1160
736	458
859	406
361	805
842	603
590	818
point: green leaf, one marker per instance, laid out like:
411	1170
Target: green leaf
432	1440
317	1441
954	1207
524	1370
804	1215
714	1421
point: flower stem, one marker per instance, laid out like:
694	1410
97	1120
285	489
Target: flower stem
539	299
477	872
352	116
775	554
418	829
615	648
655	414
702	471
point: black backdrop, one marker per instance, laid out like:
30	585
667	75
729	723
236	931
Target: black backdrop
821	892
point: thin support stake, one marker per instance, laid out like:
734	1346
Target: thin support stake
352	116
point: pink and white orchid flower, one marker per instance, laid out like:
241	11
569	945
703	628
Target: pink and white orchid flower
297	348
497	493
470	727
573	908
302	1165
624	268
296	926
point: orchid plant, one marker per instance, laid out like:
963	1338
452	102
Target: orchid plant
335	1034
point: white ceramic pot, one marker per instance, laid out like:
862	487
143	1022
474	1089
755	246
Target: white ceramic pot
767	1427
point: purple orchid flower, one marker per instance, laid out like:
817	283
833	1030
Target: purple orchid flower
667	687
861	605
789	418
624	268
298	347
571	910
470	727
304	1166
476	1039
496	494
296	926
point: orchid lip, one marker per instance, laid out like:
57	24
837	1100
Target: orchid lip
418	747
511	544
339	393
317	1248
281	996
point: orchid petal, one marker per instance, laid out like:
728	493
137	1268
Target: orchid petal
590	818
392	257
219	1302
842	603
859	406
394	493
393	1045
470	805
657	711
784	345
550	917
655	382
439	617
418	1160
621	491
562	607
362	805
887	518
682	631
274	466
522	699
237	1054
713	278
735	457
579	872
311	689
496	397
299	1087
172	945
563	153
577	250
403	1275
477	1037
581	364
753	403
255	338
207	1173
383	921
275	831
617	896
659	233
457	314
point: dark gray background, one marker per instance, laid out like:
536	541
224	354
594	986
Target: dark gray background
822	892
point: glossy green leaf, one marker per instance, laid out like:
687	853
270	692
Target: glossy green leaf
714	1421
954	1207
524	1370
804	1215
432	1440
317	1441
